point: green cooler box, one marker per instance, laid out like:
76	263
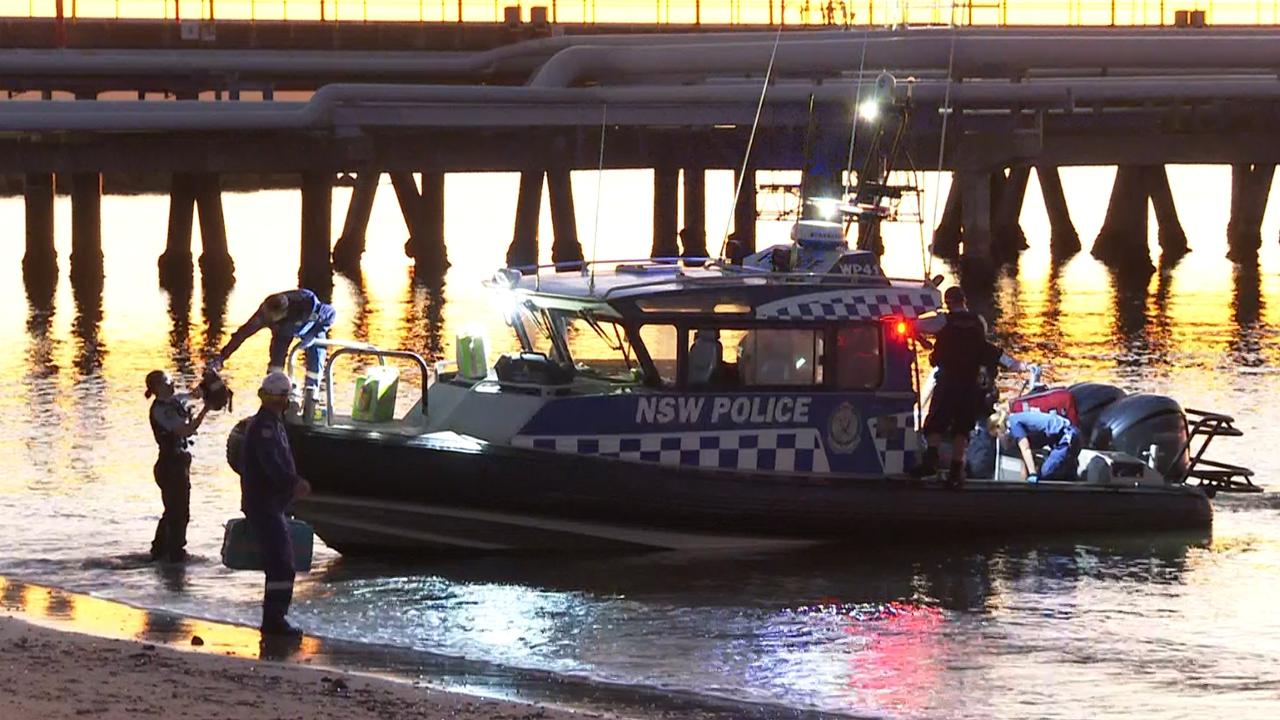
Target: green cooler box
375	399
240	549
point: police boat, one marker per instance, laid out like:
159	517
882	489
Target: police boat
672	404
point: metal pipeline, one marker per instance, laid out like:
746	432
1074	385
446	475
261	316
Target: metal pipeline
994	56
507	106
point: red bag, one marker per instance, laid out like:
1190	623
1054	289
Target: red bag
1056	400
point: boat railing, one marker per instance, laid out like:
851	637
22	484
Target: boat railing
734	275
1211	475
345	347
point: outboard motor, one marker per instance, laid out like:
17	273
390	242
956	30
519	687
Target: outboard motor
235	444
1091	399
1150	427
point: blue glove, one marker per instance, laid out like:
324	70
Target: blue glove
1033	478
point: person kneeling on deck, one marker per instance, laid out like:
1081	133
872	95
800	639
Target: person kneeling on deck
173	425
269	483
291	314
1039	430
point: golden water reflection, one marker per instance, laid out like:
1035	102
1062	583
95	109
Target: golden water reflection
88	615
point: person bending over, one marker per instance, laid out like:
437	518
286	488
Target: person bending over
291	314
1034	430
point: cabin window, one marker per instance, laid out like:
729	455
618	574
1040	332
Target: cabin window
759	357
597	348
532	327
859	364
661	342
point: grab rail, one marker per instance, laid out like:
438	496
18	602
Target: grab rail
382	355
1212	475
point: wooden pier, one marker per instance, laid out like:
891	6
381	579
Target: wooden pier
998	103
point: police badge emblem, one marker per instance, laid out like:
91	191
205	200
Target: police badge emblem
844	432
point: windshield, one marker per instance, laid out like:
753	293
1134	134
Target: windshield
594	347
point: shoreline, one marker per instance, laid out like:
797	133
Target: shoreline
102	658
55	673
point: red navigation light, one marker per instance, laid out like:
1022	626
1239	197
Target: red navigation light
900	327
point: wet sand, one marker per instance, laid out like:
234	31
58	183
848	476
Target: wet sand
48	673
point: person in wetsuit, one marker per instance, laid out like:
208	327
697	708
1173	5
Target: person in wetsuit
269	483
291	314
960	352
173	425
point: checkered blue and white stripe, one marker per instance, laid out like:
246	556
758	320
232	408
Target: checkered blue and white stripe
895	437
855	304
797	450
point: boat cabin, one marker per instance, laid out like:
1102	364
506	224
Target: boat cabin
738	367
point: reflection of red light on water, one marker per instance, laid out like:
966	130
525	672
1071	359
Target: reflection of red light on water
897	668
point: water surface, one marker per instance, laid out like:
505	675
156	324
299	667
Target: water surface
1153	626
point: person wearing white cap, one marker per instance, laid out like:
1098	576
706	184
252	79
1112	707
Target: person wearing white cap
269	483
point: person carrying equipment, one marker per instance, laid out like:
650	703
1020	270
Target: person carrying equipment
1039	430
290	314
173	426
269	483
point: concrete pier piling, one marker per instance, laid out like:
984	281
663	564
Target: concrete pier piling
949	234
693	237
175	262
565	247
349	248
1250	186
975	217
744	212
1173	240
216	265
315	271
1007	236
40	261
1122	241
424	216
86	226
869	237
524	239
666	208
1064	241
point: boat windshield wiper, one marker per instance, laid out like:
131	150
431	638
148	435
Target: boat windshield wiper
614	342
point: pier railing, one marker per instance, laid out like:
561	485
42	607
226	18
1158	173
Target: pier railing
845	13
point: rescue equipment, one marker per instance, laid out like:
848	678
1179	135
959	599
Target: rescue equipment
235	444
214	390
375	399
472	361
240	550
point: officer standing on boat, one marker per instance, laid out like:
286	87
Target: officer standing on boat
269	483
960	352
173	425
290	314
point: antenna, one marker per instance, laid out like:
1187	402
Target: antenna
942	141
595	229
746	157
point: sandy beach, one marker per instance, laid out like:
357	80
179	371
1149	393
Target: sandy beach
48	673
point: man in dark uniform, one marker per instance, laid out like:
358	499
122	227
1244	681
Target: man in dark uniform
269	483
960	351
291	314
173	426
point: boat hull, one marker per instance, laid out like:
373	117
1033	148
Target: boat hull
377	492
